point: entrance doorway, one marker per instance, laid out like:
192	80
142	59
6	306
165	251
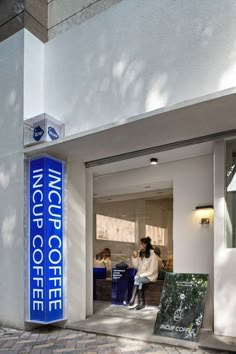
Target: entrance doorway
120	221
185	178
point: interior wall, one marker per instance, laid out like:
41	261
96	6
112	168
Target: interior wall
192	186
11	182
141	212
165	220
98	73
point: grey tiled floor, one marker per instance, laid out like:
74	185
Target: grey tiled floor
107	309
49	340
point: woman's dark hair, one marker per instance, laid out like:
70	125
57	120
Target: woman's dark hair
157	251
146	241
104	253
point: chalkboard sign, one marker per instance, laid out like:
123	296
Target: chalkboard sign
181	306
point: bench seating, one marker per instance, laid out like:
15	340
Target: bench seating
103	289
152	291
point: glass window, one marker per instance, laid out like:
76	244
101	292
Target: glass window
157	234
230	194
114	229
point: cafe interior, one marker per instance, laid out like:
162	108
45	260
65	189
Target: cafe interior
119	223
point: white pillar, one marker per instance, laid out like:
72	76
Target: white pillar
76	241
12	182
224	258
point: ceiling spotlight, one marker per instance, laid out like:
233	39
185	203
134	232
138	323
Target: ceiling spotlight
153	161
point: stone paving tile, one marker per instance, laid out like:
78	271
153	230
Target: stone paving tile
115	351
107	345
25	350
51	340
17	346
43	346
92	335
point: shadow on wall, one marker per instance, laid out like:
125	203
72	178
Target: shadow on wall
8	174
132	59
11	131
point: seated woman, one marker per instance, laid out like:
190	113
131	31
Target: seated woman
147	270
103	259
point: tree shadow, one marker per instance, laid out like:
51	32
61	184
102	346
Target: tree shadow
133	59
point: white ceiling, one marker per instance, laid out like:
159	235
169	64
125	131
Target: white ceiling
182	153
149	195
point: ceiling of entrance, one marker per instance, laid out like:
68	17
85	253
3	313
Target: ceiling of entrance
186	152
149	195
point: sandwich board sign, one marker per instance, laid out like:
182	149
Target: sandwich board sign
182	306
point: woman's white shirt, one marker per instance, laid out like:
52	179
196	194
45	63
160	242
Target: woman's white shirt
147	267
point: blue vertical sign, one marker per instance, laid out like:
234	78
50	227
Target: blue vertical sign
46	273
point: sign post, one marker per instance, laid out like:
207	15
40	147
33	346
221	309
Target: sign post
181	306
46	241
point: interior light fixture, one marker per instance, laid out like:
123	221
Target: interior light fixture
153	161
205	216
202	207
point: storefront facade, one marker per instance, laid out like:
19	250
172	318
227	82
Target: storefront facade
125	91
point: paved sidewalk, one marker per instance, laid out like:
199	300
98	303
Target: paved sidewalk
50	340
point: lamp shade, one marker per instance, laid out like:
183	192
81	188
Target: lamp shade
153	161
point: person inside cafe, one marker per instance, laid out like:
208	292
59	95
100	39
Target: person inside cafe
147	271
161	273
103	258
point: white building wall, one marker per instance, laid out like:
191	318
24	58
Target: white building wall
11	182
33	75
139	56
193	246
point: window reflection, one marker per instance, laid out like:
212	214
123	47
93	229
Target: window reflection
157	234
230	191
114	229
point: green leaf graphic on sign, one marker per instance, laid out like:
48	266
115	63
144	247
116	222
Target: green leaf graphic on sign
182	306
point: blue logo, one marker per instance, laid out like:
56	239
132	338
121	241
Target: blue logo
38	133
46	243
53	133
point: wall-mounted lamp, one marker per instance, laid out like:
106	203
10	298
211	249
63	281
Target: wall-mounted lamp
205	211
153	161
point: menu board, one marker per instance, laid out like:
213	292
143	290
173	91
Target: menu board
182	306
